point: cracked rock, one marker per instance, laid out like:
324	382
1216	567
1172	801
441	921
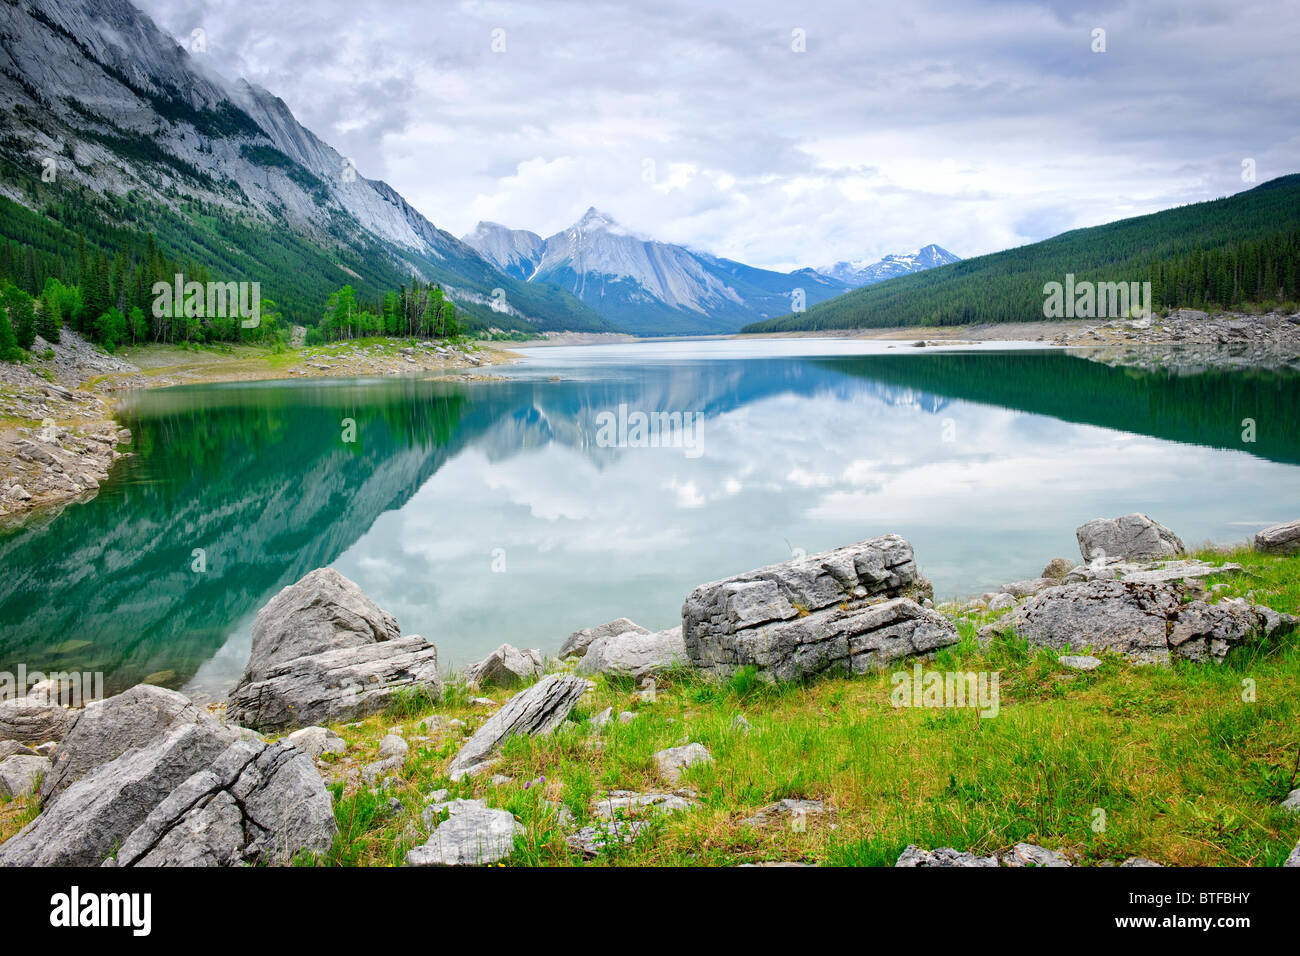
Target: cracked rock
256	803
842	610
539	709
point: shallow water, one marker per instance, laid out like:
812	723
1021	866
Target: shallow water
482	513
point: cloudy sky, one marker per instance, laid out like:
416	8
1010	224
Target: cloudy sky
782	134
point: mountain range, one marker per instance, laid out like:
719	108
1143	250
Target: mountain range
655	288
864	272
113	132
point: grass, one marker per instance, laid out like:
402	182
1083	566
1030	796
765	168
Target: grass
1178	763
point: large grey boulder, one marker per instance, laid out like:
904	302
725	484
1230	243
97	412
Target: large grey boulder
1129	536
576	644
1279	538
33	720
335	686
636	653
507	666
95	814
849	610
324	652
1147	623
323	611
537	710
474	835
106	729
1294	858
256	803
20	775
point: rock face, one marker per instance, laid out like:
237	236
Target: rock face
1279	539
1147	623
636	653
1129	536
507	666
537	710
1149	572
576	644
20	774
257	803
323	652
816	614
95	814
473	835
32	720
106	729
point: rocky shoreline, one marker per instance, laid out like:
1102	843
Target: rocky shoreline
148	778
58	436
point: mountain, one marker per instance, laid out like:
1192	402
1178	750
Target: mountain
111	130
644	286
861	272
1227	253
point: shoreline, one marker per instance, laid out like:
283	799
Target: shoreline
59	435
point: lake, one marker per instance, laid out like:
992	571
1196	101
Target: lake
518	511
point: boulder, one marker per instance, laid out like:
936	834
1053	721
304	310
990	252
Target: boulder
576	644
10	748
106	729
1291	804
635	653
314	741
590	840
786	809
1001	601
944	856
1027	854
507	666
20	775
322	653
1023	589
1147	623
536	710
621	804
474	835
671	762
1294	858
256	803
1057	568
96	813
393	745
1130	536
324	611
841	610
336	686
32	720
1151	572
1279	538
